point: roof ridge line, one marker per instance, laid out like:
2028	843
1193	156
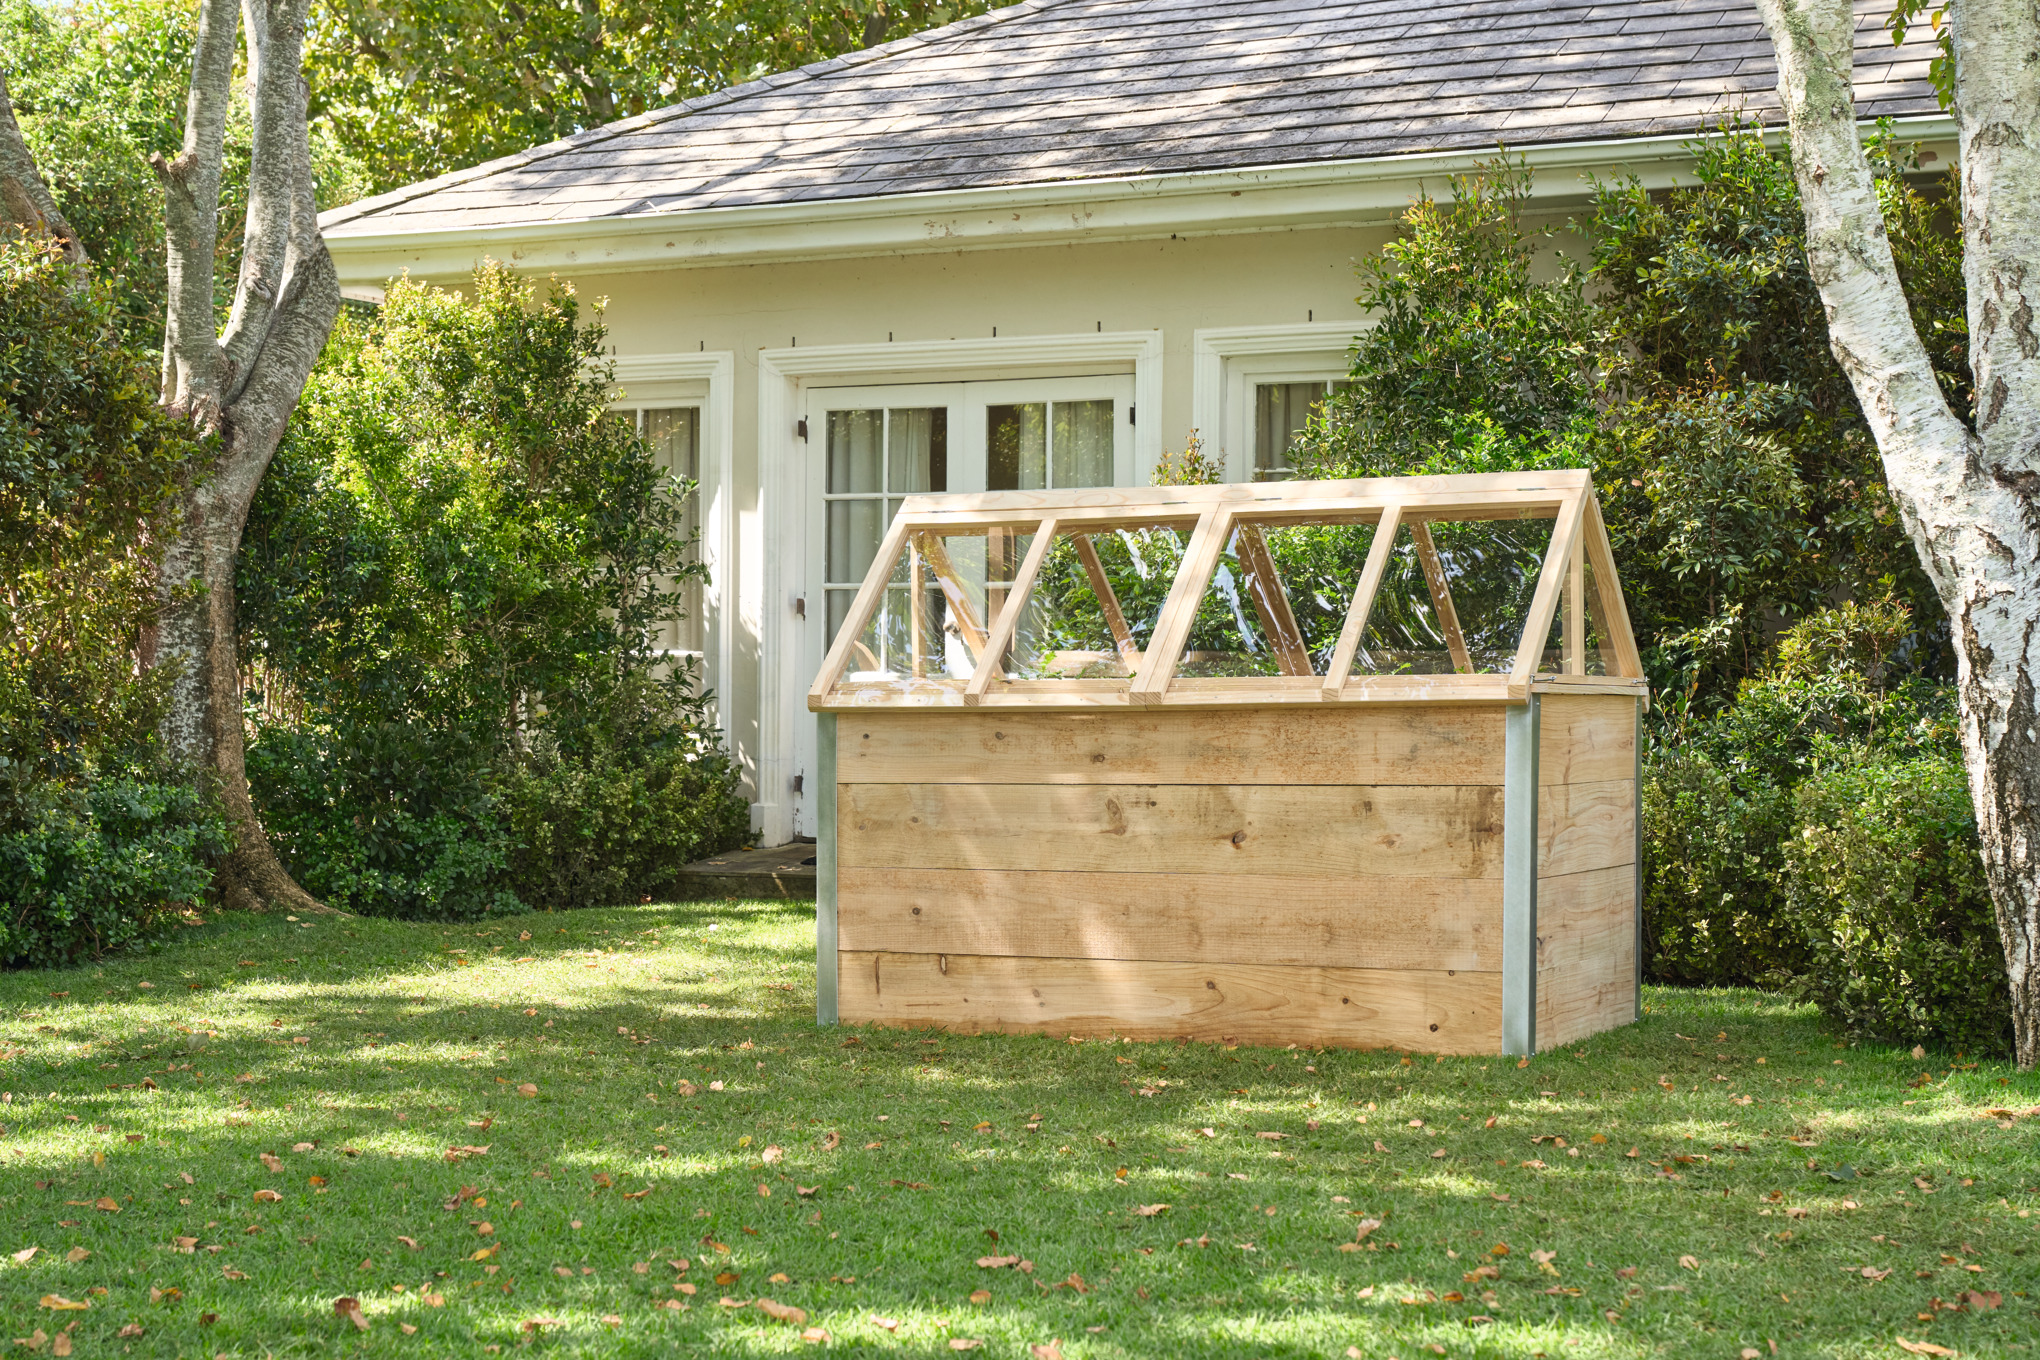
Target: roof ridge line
352	212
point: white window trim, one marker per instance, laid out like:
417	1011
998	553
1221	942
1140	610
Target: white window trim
1224	359
718	370
782	375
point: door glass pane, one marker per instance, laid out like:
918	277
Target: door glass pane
1277	601
1281	410
674	434
917	450
853	452
1094	605
1083	443
1016	447
855	528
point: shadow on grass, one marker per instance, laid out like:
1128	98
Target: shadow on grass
374	1061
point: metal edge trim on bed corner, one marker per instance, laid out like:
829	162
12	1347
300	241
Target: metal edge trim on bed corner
1519	878
1638	906
825	868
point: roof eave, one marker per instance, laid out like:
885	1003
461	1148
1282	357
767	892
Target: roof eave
1132	207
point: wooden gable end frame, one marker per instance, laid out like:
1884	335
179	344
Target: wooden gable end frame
1217	516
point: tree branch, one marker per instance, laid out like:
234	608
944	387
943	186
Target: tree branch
193	363
279	169
25	200
1998	103
1869	325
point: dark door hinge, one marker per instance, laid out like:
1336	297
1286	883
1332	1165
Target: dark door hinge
800	428
1132	412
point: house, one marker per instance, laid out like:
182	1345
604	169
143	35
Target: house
1037	248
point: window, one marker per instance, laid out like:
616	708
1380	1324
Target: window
1281	410
1048	445
873	458
674	433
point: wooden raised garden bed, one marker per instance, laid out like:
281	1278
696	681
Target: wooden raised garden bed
1325	763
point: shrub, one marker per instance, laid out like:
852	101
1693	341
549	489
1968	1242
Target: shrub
85	870
454	581
1711	860
384	819
1883	883
595	828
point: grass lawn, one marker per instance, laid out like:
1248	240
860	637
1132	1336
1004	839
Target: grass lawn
473	1128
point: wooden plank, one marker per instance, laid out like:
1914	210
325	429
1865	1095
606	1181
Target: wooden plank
1179	608
1574	1003
1108	601
1608	593
1585	738
1364	592
1441	596
1449	924
861	608
993	663
1447	494
1544	604
1585	826
1271	602
1243	1003
1358	744
1586	919
1187	695
961	611
1389	831
1572	631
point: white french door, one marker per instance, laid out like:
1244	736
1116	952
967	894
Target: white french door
869	447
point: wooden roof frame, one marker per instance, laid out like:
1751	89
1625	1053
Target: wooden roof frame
1579	546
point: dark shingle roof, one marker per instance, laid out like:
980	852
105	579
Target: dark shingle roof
1060	90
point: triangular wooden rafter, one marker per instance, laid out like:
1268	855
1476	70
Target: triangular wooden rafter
1579	554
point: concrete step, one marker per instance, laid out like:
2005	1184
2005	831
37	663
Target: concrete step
786	871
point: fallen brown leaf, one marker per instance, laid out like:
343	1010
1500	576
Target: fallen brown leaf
1052	1351
1689	1262
1922	1347
1149	1210
267	1197
57	1303
350	1308
25	1255
980	1296
784	1312
818	1335
106	1204
77	1254
130	1331
964	1343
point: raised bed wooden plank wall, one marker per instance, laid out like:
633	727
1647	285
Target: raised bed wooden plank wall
1303	876
1587	870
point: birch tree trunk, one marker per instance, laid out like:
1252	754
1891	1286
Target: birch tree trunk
1970	497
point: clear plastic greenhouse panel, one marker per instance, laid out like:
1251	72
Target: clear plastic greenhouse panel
1296	762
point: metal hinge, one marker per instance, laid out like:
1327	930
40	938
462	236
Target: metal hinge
797	782
800	428
1131	412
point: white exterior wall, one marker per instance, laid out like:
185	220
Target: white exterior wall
1279	299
